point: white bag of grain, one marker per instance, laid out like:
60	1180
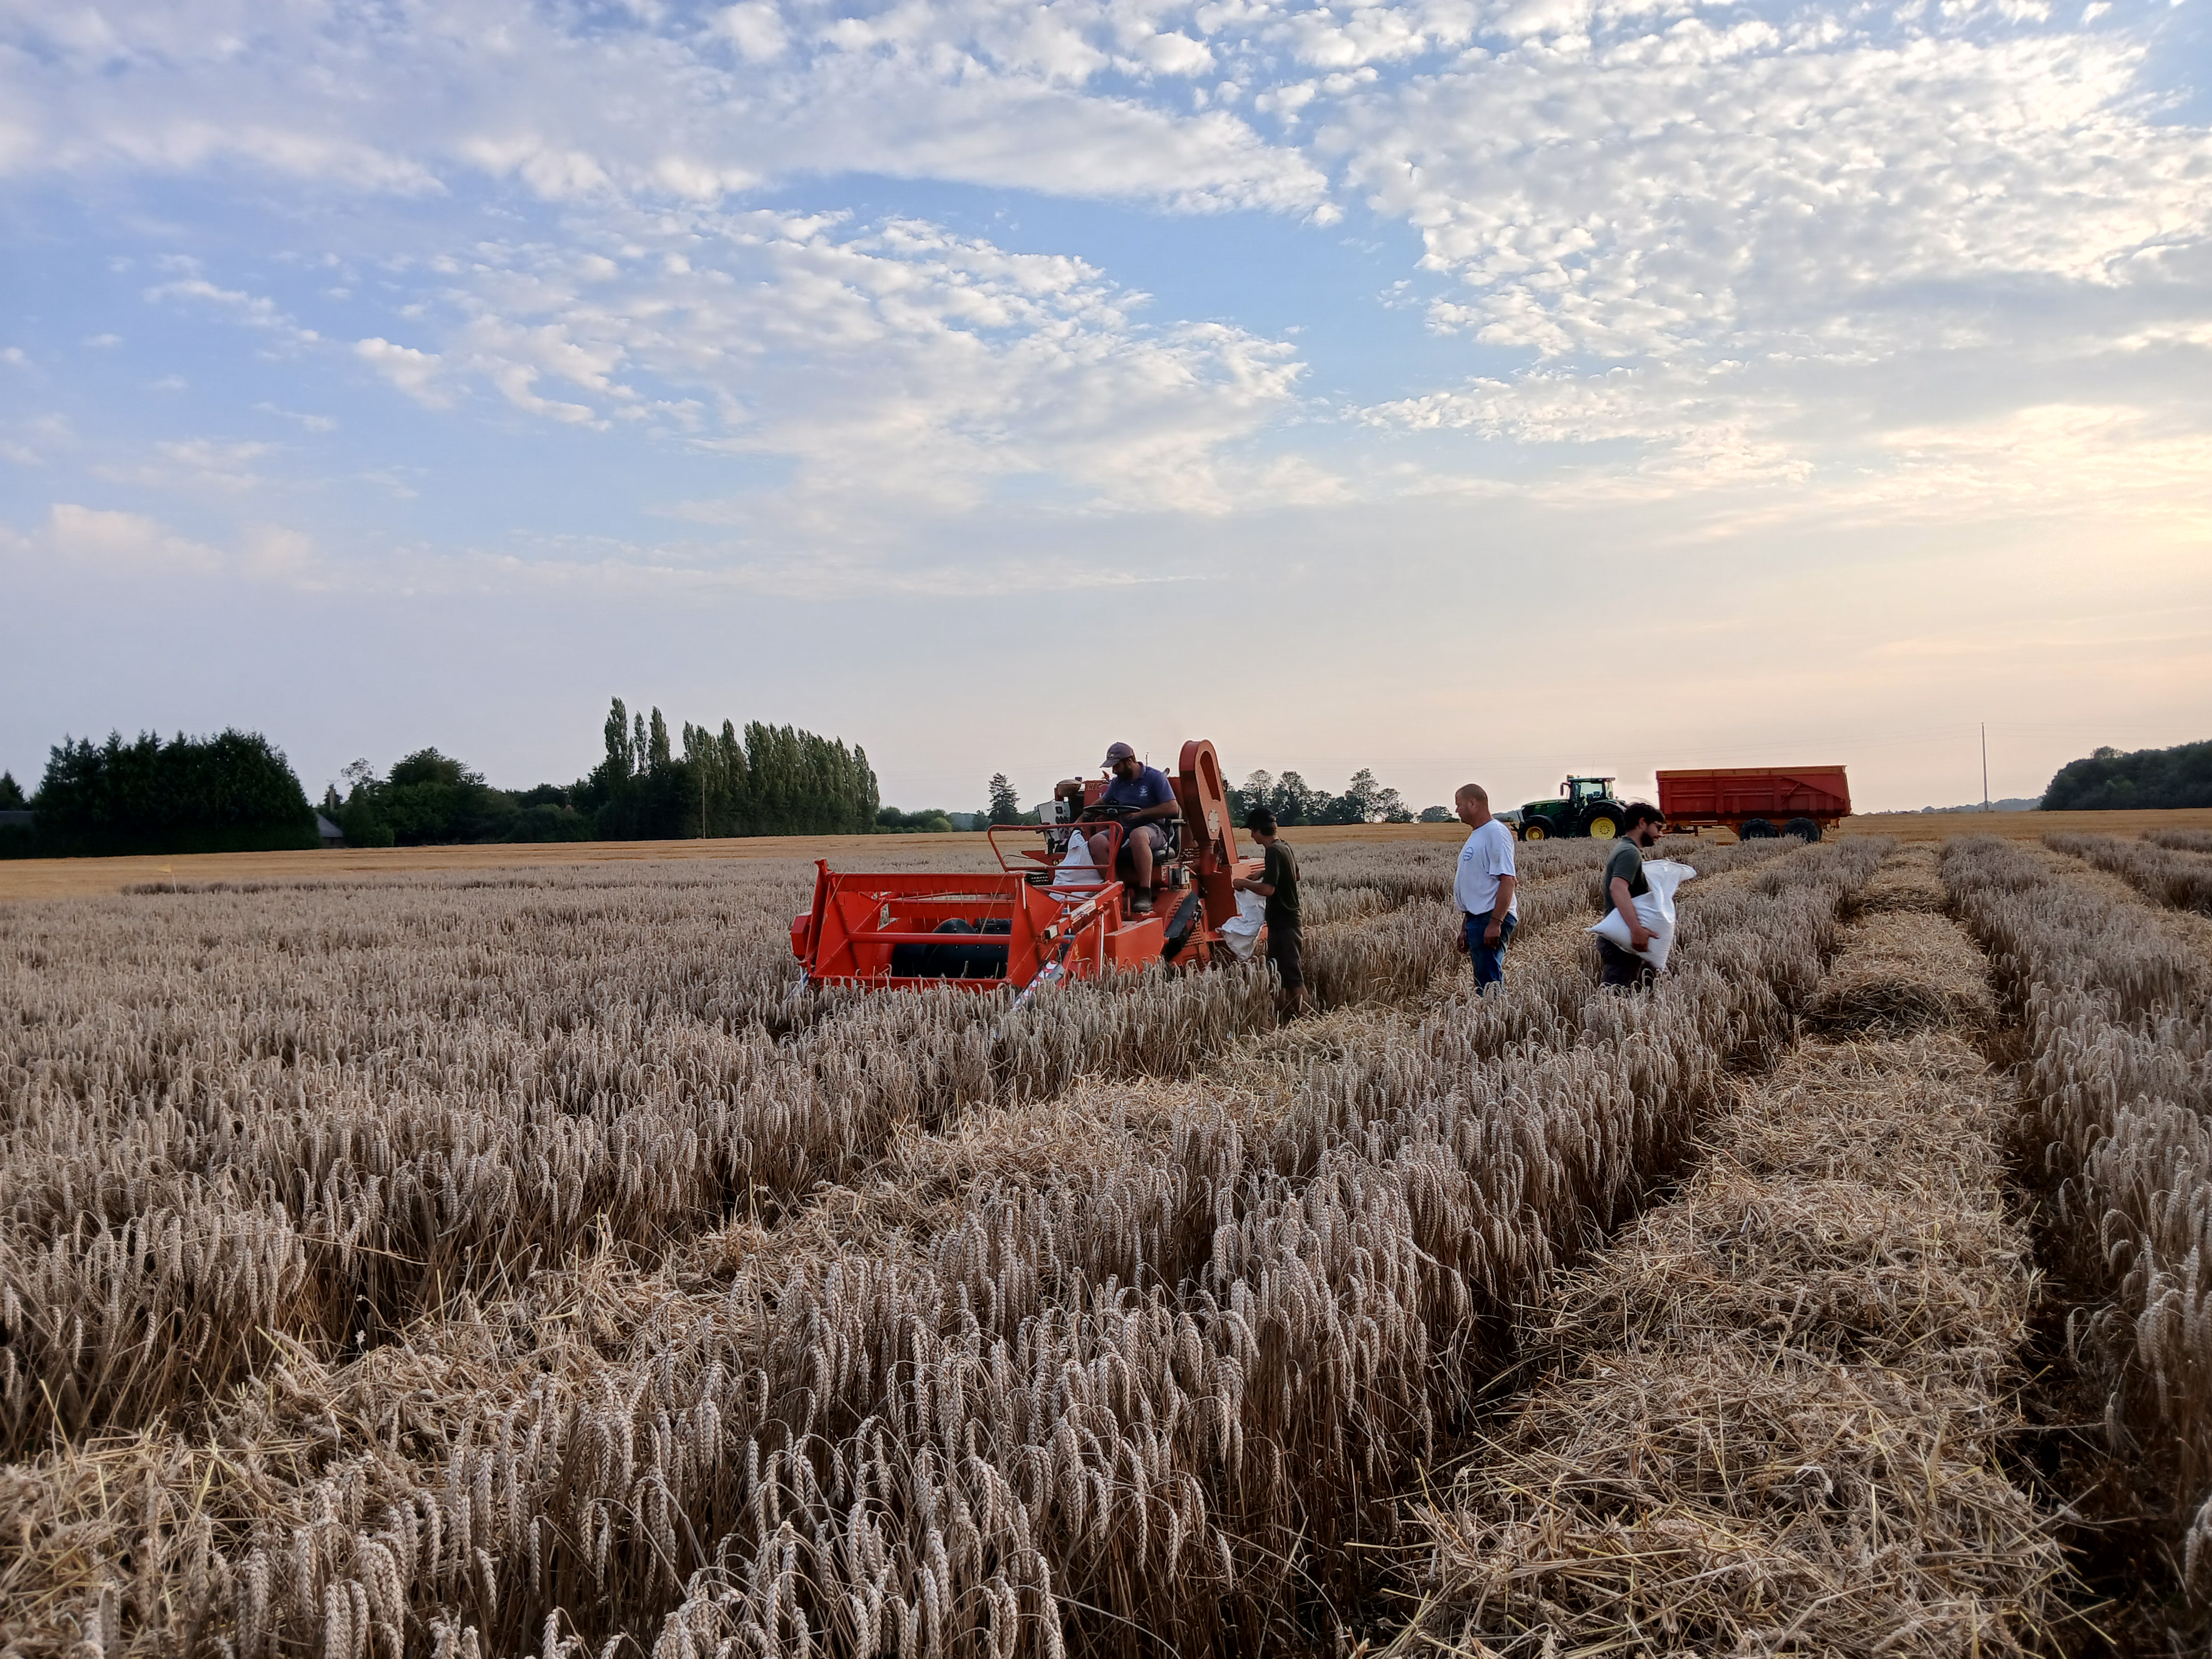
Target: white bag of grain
1655	909
1076	870
1242	931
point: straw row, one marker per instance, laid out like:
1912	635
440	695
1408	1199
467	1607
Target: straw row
2180	880
1777	1406
2113	996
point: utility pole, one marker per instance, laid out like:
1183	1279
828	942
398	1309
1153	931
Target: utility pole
1985	766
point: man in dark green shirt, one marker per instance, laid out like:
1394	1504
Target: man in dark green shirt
1624	884
1278	883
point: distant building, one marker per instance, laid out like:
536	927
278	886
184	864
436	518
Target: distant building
331	835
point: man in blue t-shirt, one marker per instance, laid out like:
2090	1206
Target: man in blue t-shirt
1147	797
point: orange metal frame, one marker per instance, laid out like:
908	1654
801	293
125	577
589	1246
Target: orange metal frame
847	936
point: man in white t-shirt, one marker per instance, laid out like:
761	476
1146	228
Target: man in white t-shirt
1488	905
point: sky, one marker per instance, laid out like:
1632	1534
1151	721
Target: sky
1476	390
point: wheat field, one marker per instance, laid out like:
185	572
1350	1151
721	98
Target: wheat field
58	878
513	1262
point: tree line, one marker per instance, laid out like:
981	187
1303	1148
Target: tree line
773	780
1289	797
237	793
767	780
1294	801
2141	779
233	792
430	799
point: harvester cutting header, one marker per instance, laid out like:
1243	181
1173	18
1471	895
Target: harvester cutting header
1104	884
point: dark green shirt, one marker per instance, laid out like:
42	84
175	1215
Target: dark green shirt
1282	875
1627	864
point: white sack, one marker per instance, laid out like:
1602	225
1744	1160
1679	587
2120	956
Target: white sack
1242	931
1076	869
1655	909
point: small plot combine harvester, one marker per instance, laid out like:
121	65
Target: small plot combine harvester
1051	911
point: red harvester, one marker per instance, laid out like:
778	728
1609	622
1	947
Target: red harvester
1748	799
1044	914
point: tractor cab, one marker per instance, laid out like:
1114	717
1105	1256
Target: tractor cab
1580	792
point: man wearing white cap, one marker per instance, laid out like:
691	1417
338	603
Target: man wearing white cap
1146	798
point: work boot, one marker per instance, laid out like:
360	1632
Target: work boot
1141	905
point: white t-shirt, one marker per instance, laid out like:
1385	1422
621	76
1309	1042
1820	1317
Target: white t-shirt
1487	855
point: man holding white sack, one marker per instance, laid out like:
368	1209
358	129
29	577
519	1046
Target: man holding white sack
1624	882
1278	883
1489	909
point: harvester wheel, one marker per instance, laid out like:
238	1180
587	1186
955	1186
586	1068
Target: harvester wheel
1757	830
1604	826
1803	829
1535	829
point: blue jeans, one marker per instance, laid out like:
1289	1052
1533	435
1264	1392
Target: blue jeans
1489	962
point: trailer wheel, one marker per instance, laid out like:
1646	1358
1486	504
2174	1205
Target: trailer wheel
1757	830
1535	829
1804	828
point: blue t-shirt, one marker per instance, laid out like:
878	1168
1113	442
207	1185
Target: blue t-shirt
1150	788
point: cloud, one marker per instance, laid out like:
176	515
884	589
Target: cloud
104	545
649	104
254	311
1696	187
2115	462
316	423
1746	436
756	28
1705	428
275	553
1808	256
120	542
897	369
38	439
201	464
414	372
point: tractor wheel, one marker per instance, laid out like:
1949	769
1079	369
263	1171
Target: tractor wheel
1535	829
1603	825
1803	829
1757	830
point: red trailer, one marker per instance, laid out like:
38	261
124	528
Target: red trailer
1757	801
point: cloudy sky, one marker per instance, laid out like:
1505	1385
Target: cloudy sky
1465	388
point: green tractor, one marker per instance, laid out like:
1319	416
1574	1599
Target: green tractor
1586	806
